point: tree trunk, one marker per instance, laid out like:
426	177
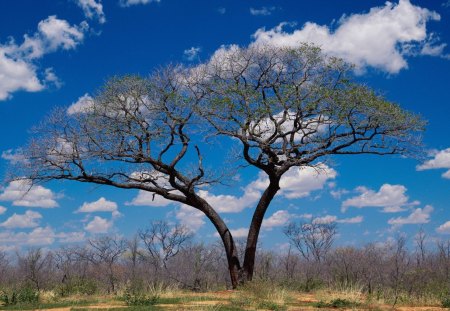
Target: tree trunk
248	268
234	266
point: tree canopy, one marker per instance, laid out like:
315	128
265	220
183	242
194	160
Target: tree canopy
286	107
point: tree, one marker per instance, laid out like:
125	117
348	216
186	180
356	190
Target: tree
313	240
284	108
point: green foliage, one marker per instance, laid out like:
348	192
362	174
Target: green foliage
24	295
446	302
137	298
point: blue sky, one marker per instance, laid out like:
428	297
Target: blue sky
58	53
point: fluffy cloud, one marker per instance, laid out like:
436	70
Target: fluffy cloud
391	198
444	228
278	219
83	104
441	160
23	193
192	53
190	217
381	38
418	216
99	225
264	11
18	69
92	9
28	220
2	210
38	237
127	3
101	205
299	182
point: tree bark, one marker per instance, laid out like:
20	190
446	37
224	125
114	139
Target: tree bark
246	273
234	266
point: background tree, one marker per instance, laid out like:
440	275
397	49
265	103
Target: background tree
287	108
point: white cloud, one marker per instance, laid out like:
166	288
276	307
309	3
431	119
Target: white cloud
331	218
299	182
71	237
192	53
352	220
51	78
391	198
99	225
264	11
22	193
101	205
418	216
83	104
18	69
127	3
441	160
381	38
278	219
92	9
444	228
14	156
145	198
28	220
236	233
190	217
2	210
39	236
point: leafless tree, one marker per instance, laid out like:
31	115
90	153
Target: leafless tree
163	241
313	240
105	252
35	265
286	107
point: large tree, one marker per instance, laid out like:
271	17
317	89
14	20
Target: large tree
284	107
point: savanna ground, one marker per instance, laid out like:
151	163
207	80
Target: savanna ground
254	296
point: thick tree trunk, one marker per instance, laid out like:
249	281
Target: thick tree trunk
234	266
246	273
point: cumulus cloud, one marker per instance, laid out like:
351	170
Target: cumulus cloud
190	217
264	11
101	205
299	182
82	105
127	3
391	198
418	216
444	228
99	225
92	9
18	63
37	237
2	210
23	193
382	38
441	160
192	53
28	220
278	219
